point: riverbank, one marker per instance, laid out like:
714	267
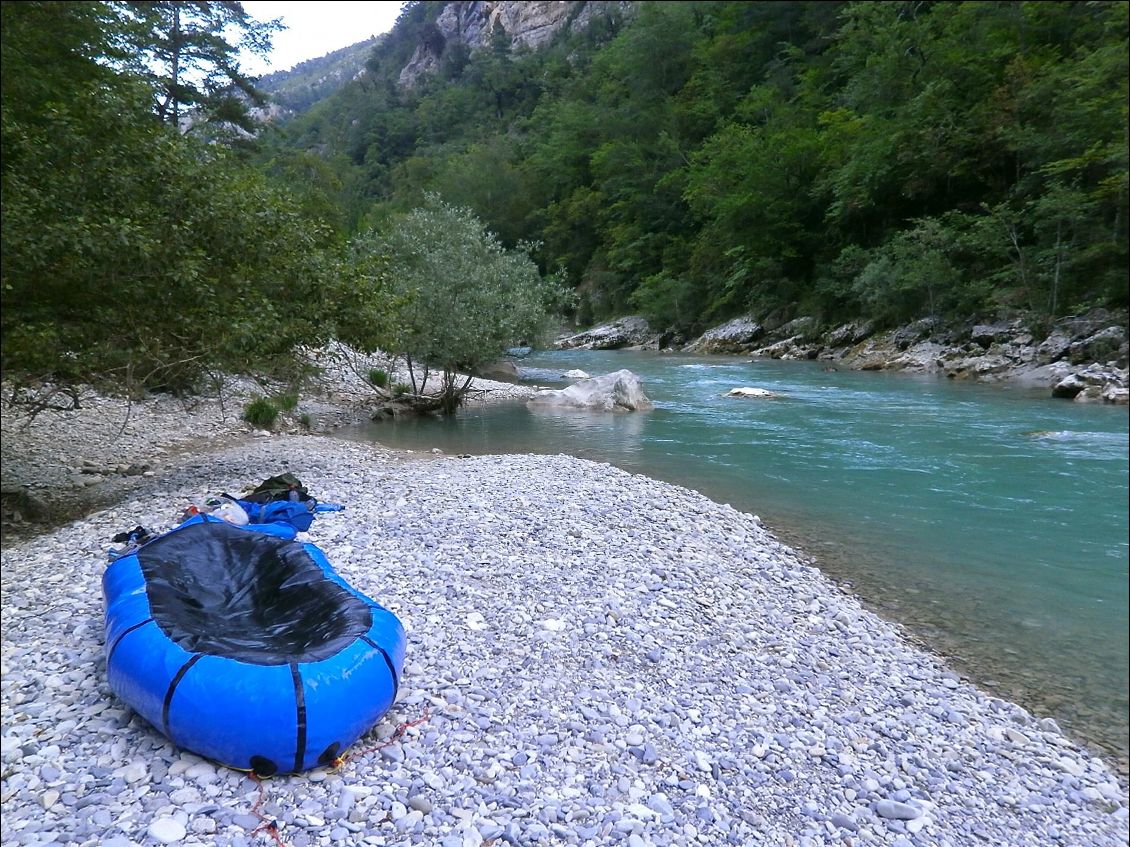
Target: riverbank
62	464
948	507
1082	358
594	657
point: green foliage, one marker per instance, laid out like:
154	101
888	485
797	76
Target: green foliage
261	412
462	298
51	49
690	161
287	401
400	389
667	300
131	254
140	251
752	187
910	275
308	82
189	52
849	159
378	377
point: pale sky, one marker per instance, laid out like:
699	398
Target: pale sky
317	28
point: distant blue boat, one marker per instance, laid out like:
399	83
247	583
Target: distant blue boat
247	648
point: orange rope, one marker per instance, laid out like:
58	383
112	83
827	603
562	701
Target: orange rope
271	828
268	826
397	734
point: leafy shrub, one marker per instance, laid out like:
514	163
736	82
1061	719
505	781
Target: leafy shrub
400	389
304	421
261	412
378	377
287	401
443	261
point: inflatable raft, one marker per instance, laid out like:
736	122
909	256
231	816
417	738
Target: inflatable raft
247	648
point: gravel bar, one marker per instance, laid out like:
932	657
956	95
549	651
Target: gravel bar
594	658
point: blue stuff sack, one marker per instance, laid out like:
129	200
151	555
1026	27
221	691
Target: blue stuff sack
298	515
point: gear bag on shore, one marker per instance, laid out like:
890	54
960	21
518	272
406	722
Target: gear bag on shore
284	486
283	499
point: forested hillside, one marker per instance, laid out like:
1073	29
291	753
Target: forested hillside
688	160
696	160
298	88
144	248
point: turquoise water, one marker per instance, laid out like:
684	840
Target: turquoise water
991	522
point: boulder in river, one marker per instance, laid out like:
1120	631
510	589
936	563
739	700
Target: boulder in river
750	392
1069	386
619	391
500	371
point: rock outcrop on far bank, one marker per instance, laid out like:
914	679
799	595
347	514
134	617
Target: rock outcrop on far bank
631	331
1083	357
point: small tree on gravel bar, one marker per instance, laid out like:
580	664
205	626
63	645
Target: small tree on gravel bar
460	298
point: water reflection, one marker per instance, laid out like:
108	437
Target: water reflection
622	430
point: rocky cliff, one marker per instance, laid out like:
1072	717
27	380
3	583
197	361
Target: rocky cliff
474	23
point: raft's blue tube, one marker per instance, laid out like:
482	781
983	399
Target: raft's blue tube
238	698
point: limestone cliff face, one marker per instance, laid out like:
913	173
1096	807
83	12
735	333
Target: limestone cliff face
529	24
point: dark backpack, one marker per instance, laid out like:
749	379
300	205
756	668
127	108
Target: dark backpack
284	486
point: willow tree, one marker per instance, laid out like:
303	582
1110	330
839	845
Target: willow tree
459	297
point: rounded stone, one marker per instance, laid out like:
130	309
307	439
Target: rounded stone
167	830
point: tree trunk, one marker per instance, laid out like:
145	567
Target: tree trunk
175	53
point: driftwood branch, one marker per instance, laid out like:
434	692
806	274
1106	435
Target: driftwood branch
53	398
351	361
129	401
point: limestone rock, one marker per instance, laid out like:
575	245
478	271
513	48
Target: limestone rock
987	335
977	367
735	336
850	333
501	371
793	347
1053	348
620	391
896	811
1119	395
910	334
527	25
625	332
166	830
802	329
1069	387
750	392
1107	344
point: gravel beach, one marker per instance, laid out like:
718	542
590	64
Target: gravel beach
594	658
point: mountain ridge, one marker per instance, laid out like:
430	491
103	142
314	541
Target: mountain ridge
462	26
297	89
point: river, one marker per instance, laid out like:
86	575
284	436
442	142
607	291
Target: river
991	522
